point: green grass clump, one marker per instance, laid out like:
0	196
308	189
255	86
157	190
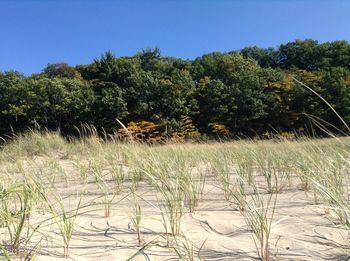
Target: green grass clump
42	173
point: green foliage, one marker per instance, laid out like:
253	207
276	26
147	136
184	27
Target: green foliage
62	70
264	57
234	93
248	92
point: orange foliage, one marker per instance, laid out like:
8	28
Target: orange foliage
188	131
140	131
220	129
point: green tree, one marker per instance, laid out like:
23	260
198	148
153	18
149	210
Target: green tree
301	54
62	70
12	93
240	88
109	105
217	102
264	57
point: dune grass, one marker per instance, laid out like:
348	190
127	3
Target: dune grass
249	174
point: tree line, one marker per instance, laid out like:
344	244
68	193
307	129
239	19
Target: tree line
241	93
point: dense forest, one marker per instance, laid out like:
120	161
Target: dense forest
249	92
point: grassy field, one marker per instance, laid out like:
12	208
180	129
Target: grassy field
246	200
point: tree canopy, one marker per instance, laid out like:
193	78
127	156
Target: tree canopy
245	92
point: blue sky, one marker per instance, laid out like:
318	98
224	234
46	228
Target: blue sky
35	33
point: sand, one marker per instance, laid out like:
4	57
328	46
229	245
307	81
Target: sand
301	230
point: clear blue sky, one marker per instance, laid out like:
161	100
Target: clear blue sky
35	33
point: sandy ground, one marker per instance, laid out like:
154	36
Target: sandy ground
302	230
